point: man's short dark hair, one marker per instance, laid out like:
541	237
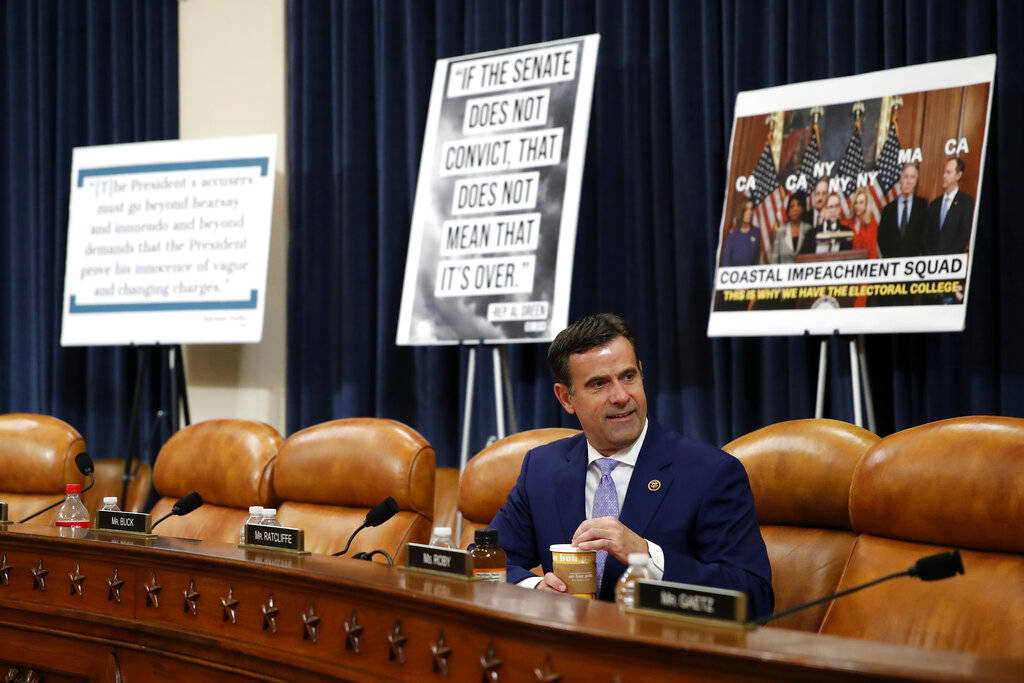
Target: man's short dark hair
959	163
583	335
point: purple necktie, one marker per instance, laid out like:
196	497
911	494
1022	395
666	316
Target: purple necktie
606	504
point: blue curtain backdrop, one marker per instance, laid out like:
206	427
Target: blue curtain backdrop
72	73
667	77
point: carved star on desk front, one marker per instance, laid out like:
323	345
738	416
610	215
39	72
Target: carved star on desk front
114	584
490	664
310	622
228	605
353	632
441	652
153	593
545	674
77	578
39	577
191	595
270	611
396	643
5	571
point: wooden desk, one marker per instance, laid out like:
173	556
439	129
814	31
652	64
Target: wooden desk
176	609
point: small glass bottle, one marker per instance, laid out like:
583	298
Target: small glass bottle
110	504
72	516
488	557
270	517
625	589
255	517
442	537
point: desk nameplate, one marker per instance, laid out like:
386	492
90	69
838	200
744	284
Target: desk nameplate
685	601
275	539
3	514
135	524
448	562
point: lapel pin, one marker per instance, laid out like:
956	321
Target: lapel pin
653	485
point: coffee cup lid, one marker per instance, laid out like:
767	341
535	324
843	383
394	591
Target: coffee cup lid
568	548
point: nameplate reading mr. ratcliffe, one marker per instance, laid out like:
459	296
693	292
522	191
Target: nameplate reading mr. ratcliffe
3	512
444	560
279	537
130	522
692	602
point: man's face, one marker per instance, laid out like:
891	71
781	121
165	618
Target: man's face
908	180
832	209
950	176
607	395
819	194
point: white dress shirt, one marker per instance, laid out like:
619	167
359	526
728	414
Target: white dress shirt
621	475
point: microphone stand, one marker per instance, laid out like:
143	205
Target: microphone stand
92	482
349	544
772	617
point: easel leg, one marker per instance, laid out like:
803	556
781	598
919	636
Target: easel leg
819	400
858	417
499	395
182	397
467	418
869	402
131	448
513	423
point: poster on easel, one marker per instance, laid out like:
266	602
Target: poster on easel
494	220
851	203
168	242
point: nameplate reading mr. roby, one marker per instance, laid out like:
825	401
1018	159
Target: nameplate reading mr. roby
131	522
281	537
429	558
692	602
3	512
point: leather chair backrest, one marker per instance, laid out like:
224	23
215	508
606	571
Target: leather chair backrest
109	475
955	483
490	475
37	460
230	463
800	472
331	474
446	496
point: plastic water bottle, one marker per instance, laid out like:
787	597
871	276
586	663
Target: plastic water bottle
625	589
110	504
255	517
270	517
442	537
72	516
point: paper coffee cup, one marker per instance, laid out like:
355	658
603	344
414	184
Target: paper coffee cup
577	568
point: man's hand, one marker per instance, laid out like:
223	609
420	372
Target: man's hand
608	533
551	583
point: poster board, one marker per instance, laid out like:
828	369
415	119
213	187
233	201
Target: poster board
168	242
494	220
904	266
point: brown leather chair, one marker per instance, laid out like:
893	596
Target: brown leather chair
230	463
108	483
800	472
956	483
37	460
331	474
491	474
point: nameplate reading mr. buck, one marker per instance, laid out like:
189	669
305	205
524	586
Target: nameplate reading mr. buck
447	561
691	602
276	537
131	522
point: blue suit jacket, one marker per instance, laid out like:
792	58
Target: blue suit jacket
702	515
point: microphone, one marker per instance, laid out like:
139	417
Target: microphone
931	568
85	465
378	514
183	506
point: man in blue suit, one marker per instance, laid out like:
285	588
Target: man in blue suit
684	503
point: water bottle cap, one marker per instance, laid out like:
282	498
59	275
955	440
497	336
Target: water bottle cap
73	488
442	531
638	558
270	512
110	500
255	510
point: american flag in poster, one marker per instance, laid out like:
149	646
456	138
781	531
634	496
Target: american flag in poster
883	187
811	158
850	166
769	199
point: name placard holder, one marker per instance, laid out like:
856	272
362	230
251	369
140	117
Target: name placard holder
427	559
132	524
699	604
278	539
3	516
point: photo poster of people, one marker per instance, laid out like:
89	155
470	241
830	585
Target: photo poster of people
494	219
851	203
